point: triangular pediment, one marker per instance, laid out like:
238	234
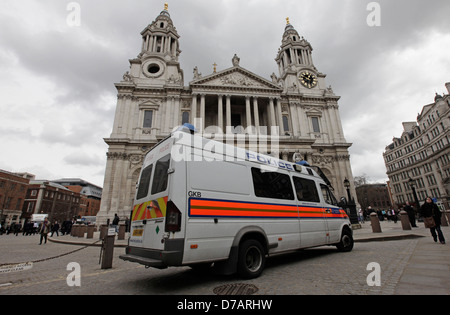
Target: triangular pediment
149	103
313	112
235	77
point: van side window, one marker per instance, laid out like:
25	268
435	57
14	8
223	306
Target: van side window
161	177
144	182
272	184
328	195
306	189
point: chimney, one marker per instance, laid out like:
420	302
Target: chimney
447	85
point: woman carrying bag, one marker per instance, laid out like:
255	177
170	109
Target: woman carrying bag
432	219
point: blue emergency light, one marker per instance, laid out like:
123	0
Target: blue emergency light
303	162
186	127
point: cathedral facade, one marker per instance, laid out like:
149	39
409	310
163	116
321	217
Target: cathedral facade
296	107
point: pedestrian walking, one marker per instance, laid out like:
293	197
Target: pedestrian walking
115	222
45	228
411	214
361	215
55	228
430	210
17	228
393	215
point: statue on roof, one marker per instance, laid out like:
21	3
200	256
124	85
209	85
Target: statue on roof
235	60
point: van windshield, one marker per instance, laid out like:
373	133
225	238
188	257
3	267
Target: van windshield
328	195
161	177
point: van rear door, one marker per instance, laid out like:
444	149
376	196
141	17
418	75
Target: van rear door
149	211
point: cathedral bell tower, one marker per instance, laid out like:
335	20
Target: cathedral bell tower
295	63
158	59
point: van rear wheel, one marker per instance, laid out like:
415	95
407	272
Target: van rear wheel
251	259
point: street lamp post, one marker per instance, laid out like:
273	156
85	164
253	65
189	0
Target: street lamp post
351	205
411	184
347	187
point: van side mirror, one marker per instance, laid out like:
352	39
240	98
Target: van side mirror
342	202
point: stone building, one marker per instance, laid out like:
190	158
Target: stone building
295	106
420	158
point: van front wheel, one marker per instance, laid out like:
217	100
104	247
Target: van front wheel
251	259
346	243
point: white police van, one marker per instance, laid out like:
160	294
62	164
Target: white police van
200	201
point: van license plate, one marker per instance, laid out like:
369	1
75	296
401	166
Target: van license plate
138	232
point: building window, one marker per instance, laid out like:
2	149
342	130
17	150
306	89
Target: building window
19	202
315	124
148	117
285	124
185	118
8	202
33	192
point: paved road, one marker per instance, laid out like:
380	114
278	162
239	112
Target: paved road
406	267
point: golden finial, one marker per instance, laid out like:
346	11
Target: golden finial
287	20
166	6
215	65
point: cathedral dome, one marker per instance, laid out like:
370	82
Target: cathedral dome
289	27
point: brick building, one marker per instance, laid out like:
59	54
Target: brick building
45	197
13	189
90	194
374	195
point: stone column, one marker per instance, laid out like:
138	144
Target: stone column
256	113
228	113
280	116
176	111
248	113
194	108
220	112
168	105
272	113
202	111
294	118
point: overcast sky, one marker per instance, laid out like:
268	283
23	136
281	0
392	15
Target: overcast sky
57	94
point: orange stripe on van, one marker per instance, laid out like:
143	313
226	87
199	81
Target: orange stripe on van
225	208
212	207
